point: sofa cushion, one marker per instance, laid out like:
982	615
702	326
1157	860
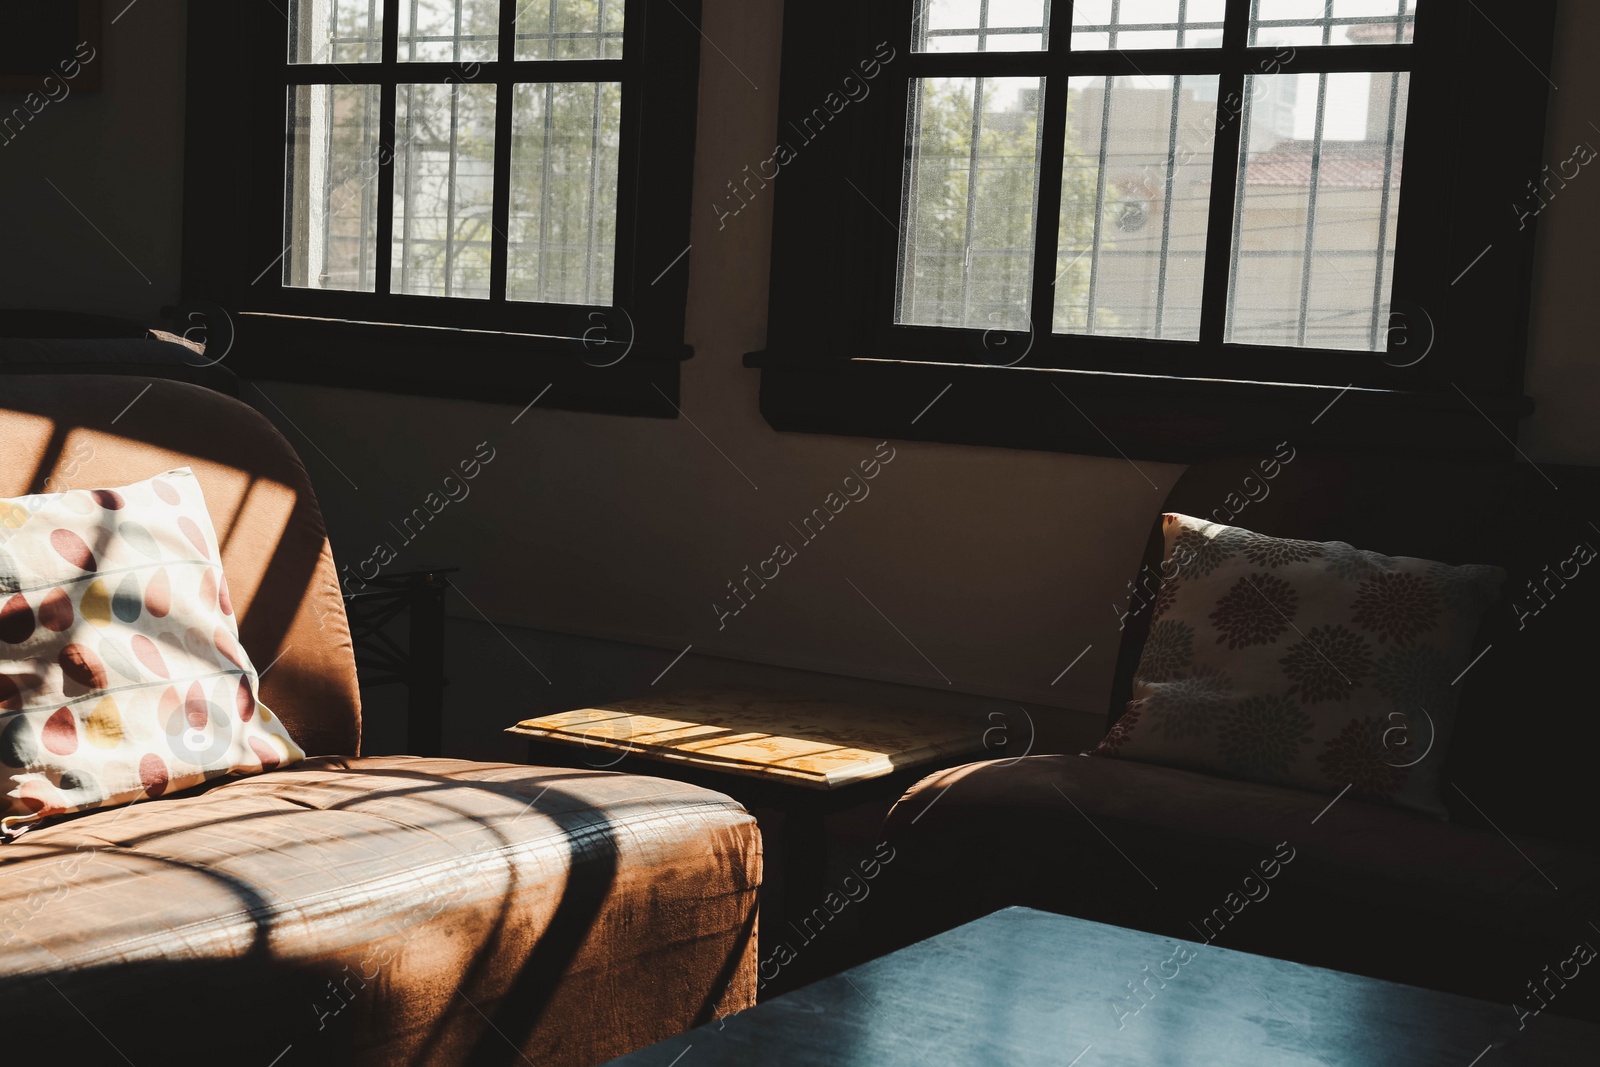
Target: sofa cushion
382	911
1303	663
121	672
76	430
1371	888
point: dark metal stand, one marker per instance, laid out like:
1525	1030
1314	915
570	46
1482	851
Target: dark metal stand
419	665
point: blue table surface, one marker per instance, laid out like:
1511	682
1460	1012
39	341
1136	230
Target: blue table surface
1027	987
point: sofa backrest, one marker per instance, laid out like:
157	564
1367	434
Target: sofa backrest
61	432
1520	748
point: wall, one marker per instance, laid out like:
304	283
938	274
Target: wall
1564	359
967	569
109	240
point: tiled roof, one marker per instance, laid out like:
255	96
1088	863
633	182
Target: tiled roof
1359	166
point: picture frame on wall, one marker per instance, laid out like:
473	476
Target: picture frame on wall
47	46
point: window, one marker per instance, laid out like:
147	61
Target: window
1184	198
419	178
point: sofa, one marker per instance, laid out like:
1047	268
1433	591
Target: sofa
1490	903
346	909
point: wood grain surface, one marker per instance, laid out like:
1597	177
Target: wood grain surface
806	741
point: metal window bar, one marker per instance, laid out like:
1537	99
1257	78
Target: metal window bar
450	187
1100	196
333	37
407	193
983	31
603	36
1166	197
1314	184
544	190
972	188
1331	21
1234	251
1130	27
369	206
911	185
972	171
989	31
327	184
1383	208
593	256
1116	26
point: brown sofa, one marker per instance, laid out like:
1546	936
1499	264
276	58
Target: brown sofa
388	910
1484	905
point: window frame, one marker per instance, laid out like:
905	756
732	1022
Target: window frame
1161	399
620	358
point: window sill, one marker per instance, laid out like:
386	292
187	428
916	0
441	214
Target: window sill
615	378
1163	419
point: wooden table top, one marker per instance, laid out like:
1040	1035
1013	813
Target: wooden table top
801	740
1023	987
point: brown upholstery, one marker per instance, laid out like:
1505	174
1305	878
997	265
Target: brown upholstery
463	911
370	911
1372	889
72	432
1375	890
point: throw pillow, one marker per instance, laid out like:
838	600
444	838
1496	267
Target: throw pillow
1305	664
121	674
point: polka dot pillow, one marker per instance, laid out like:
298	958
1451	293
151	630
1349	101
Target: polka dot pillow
121	675
1305	664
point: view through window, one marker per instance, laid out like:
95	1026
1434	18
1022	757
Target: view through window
1312	212
451	75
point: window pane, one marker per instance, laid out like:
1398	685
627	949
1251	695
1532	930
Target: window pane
564	192
970	187
335	31
570	29
1135	200
331	187
449	31
981	26
1332	22
443	190
1130	24
1319	191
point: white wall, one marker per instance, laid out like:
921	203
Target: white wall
999	566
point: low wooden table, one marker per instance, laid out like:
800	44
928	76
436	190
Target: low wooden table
1023	987
803	756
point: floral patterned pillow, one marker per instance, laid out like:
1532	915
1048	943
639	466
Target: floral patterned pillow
121	674
1305	664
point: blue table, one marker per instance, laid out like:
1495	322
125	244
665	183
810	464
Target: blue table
1027	987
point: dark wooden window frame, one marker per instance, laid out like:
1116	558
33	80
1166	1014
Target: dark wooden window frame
1475	138
622	359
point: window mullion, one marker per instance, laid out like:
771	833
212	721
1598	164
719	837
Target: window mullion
504	109
1052	151
386	150
1224	174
